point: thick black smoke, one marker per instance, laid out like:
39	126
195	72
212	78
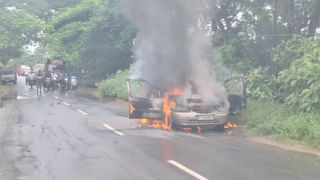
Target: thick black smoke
170	47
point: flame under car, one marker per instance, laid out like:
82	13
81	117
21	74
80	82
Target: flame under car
149	104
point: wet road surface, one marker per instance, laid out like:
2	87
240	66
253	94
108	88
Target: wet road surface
61	136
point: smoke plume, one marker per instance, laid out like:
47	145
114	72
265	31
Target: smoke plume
170	47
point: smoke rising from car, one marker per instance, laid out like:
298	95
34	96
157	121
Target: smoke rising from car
170	47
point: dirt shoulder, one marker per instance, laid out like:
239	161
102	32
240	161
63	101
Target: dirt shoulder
283	145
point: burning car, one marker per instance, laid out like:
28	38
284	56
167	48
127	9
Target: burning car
155	107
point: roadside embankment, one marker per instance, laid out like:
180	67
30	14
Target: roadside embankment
280	123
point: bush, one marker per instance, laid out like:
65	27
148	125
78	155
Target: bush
88	82
298	63
115	86
276	120
260	84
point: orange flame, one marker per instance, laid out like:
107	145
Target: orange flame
230	126
132	109
151	123
168	104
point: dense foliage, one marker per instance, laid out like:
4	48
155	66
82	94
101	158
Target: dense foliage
92	36
17	29
299	83
272	119
115	86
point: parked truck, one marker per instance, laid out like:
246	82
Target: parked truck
8	74
23	70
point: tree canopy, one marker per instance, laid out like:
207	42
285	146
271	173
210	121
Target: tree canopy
18	28
274	43
93	36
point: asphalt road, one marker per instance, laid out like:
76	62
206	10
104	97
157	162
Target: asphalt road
62	136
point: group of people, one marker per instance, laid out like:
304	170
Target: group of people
51	80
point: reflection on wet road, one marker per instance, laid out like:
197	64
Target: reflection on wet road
63	136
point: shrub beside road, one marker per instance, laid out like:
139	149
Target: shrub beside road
279	122
115	86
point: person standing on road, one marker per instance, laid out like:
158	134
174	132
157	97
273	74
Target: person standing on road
39	81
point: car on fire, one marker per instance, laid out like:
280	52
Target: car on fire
148	102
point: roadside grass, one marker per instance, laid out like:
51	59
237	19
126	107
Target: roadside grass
115	86
281	123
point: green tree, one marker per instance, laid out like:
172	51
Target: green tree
18	28
93	36
299	83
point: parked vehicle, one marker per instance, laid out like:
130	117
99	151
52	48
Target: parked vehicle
26	72
8	75
23	70
64	83
74	82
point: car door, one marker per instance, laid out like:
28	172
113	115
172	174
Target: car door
237	97
145	100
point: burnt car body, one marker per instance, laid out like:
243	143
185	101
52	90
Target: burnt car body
146	102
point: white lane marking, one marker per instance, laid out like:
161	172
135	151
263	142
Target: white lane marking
65	103
112	129
187	170
82	112
56	97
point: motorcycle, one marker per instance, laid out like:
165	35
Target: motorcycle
74	82
47	84
31	82
55	83
64	83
